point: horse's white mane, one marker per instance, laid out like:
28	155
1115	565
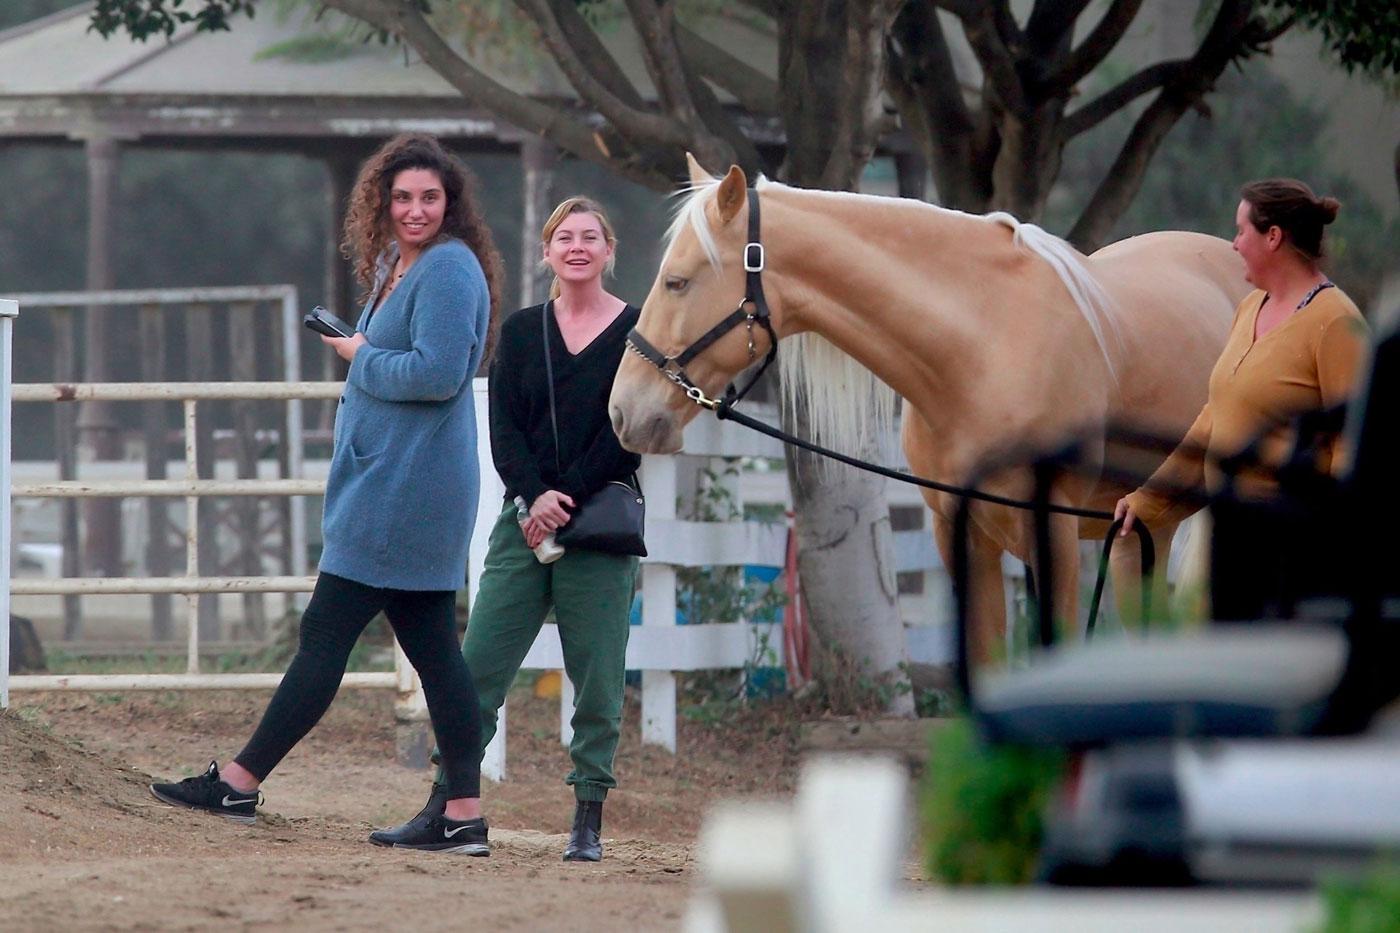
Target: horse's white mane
1089	297
849	407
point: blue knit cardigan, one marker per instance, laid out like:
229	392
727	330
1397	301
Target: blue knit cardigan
404	479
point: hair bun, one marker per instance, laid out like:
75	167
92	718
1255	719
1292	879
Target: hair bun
1327	209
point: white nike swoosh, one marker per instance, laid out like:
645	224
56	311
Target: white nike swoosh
231	802
449	833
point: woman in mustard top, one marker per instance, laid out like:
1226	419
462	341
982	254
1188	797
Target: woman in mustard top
1296	344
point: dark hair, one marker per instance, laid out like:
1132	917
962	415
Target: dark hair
1291	206
367	226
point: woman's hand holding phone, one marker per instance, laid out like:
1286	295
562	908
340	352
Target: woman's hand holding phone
345	347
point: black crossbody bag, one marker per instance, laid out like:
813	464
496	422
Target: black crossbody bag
613	519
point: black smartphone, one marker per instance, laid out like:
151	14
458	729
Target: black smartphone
323	322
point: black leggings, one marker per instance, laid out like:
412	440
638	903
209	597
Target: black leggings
425	624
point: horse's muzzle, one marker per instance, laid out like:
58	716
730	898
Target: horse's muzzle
646	434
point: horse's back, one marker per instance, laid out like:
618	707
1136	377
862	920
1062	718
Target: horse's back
1177	260
1175	293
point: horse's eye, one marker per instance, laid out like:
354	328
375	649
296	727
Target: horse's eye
675	283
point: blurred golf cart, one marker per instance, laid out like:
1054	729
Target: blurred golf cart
1262	747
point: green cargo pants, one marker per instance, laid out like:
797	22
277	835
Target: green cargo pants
591	594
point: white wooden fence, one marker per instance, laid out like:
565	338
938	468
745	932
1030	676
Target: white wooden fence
659	647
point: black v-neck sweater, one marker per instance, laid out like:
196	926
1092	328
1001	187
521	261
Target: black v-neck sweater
522	441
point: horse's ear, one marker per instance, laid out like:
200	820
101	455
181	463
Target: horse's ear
698	175
732	194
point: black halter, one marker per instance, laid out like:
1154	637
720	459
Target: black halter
753	295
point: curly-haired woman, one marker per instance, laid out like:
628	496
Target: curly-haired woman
402	491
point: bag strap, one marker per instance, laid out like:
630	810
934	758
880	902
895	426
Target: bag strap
549	381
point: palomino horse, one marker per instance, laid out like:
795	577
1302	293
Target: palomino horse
994	332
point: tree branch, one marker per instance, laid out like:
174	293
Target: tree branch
637	125
1051	20
551	123
590	50
753	89
962	9
1102	40
1231	34
980	25
1120	95
924	84
654	22
720	126
768	8
858	111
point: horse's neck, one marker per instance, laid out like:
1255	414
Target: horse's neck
906	289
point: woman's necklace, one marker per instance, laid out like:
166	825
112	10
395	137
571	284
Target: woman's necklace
393	282
1312	293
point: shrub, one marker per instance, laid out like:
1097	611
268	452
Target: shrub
1366	905
983	807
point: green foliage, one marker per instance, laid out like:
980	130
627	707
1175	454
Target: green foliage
715	594
143	19
722	594
1238	145
1365	905
311	49
983	807
1363	34
843	684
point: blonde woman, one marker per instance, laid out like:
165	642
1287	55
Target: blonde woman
590	591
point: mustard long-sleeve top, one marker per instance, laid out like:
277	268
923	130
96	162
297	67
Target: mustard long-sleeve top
1308	361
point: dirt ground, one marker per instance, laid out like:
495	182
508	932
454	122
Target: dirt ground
83	846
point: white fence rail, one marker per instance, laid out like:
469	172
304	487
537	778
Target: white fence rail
659	648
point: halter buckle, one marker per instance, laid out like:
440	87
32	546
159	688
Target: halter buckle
698	396
753	257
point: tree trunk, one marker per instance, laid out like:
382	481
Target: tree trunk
845	547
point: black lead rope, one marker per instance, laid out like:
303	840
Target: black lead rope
1041	506
725	412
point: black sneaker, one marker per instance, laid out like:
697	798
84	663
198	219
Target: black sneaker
439	834
208	792
437	803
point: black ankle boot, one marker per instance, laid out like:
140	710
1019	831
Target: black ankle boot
434	808
585	840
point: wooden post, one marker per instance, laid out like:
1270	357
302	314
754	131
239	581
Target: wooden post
911	175
658	476
65	441
9	310
339	282
155	432
537	161
243	367
97	423
199	348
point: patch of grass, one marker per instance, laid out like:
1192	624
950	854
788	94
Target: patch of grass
28	714
983	807
148	663
1365	905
